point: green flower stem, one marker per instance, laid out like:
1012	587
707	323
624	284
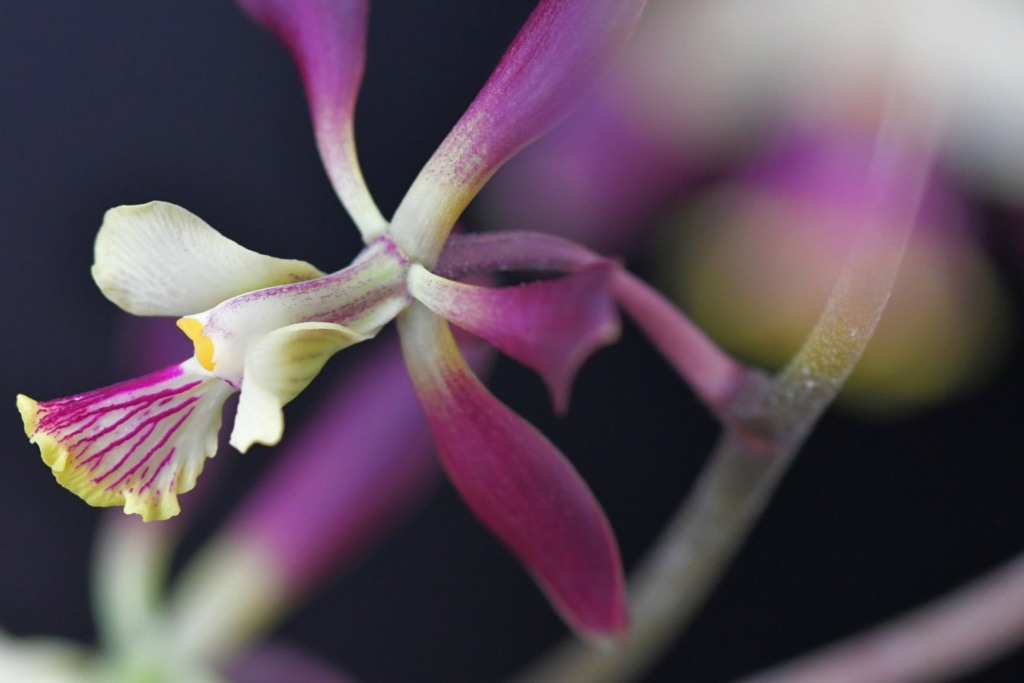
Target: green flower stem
768	421
227	597
130	567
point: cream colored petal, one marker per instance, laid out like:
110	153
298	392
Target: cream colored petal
278	366
160	259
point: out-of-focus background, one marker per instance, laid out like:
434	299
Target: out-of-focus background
120	102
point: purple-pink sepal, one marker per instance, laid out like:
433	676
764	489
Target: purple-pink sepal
551	326
711	372
551	64
327	40
517	483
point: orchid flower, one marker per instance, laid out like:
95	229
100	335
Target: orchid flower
265	327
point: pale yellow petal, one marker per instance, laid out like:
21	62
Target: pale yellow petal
278	366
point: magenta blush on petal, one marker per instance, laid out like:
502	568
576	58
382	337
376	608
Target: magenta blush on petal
551	326
327	38
711	372
516	482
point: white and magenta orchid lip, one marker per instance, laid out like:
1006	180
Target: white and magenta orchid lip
137	443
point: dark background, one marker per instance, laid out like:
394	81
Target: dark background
121	102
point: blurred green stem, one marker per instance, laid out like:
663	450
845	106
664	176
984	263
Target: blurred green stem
768	421
130	568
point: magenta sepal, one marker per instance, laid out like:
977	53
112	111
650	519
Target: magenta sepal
553	61
551	326
516	482
711	372
327	39
551	64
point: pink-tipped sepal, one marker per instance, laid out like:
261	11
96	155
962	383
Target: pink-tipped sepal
517	483
551	326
